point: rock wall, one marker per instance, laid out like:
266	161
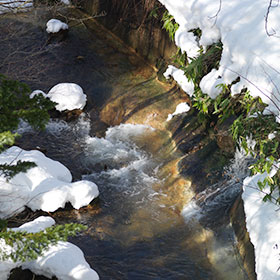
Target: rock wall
245	247
141	30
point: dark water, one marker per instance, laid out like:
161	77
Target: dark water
135	229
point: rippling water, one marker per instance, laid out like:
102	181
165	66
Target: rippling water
134	229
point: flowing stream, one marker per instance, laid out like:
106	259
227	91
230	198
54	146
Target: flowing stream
135	230
145	224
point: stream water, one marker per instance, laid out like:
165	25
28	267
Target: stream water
135	229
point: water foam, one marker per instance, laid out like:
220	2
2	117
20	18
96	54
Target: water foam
118	164
212	203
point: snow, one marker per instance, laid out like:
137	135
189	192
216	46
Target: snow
179	76
271	135
251	48
47	186
68	96
66	2
37	92
180	109
36	225
63	260
55	25
15	5
263	225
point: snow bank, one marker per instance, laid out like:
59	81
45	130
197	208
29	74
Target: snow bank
55	25
63	260
181	108
251	49
263	225
47	186
179	76
15	5
68	96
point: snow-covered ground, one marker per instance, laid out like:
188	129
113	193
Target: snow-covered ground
250	34
63	260
47	186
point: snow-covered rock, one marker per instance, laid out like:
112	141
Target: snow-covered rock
68	96
63	260
180	109
47	186
55	25
263	225
179	76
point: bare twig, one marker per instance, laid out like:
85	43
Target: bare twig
216	15
270	6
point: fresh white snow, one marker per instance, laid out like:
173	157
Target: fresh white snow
263	225
55	25
179	76
37	92
180	109
63	260
68	96
47	186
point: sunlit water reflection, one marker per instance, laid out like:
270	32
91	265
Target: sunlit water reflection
136	230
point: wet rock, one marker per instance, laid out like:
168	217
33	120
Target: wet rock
223	136
71	115
26	274
57	37
66	115
244	245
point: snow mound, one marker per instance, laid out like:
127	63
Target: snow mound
250	37
47	186
263	225
55	25
68	96
179	76
63	260
180	109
